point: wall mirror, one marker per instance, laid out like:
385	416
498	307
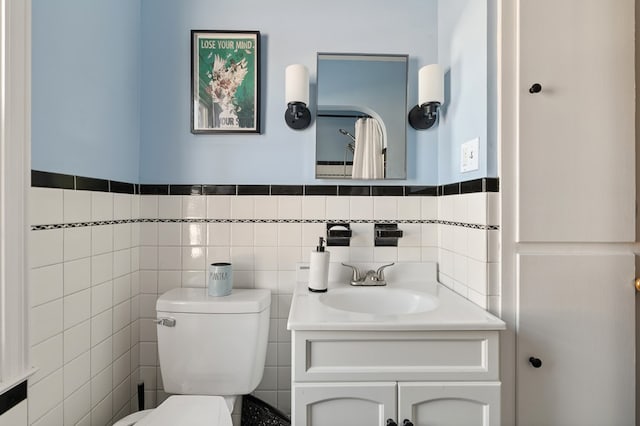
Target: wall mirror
361	117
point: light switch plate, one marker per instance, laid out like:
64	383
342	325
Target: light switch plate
469	152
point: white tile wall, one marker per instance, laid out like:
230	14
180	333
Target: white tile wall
468	257
16	416
264	255
94	288
84	315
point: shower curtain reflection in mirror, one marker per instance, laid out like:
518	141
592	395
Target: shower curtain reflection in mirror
371	87
369	150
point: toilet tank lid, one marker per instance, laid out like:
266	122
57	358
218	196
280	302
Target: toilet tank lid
196	300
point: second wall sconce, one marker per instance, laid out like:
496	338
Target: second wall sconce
430	97
297	115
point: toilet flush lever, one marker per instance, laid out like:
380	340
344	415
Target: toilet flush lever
167	322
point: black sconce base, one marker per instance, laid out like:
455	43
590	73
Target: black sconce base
423	117
297	116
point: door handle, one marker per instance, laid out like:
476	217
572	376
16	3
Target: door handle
535	88
405	422
637	284
535	362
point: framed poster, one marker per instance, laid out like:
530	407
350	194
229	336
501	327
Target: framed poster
225	81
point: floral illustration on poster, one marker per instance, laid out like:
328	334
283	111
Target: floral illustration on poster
225	81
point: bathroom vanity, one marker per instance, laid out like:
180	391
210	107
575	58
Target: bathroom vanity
412	350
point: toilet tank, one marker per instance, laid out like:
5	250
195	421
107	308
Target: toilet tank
217	345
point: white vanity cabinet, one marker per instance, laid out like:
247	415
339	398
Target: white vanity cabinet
367	377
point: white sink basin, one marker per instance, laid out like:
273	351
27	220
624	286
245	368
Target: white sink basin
379	300
412	300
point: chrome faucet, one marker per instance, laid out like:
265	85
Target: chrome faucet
370	277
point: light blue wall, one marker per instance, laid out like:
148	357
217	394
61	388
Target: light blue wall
85	88
492	88
111	85
463	51
292	32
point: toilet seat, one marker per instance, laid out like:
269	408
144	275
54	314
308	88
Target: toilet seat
132	418
189	410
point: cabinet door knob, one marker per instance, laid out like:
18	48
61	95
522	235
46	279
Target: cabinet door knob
535	88
535	362
407	422
390	422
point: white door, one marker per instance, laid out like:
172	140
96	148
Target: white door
352	404
576	346
449	403
574	213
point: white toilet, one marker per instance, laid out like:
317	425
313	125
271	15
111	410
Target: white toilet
212	349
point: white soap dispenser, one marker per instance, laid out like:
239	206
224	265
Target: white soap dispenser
319	268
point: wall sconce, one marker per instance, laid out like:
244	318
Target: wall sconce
430	97
297	115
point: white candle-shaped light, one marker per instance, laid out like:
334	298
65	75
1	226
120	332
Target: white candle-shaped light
297	84
430	84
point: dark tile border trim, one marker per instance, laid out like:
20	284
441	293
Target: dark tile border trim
449	189
62	181
321	190
122	187
492	185
13	397
185	189
80	183
219	189
91	184
423	191
154	189
254	190
287	190
471	186
354	191
388	191
52	180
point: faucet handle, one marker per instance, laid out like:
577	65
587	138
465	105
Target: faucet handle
355	274
380	271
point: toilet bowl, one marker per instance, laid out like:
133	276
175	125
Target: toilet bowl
211	350
183	410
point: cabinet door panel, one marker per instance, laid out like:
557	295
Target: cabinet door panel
577	315
353	404
576	170
450	404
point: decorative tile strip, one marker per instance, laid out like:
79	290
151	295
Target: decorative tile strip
82	224
201	220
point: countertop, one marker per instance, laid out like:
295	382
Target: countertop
453	312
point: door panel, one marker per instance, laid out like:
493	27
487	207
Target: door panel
577	315
353	404
576	169
449	404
